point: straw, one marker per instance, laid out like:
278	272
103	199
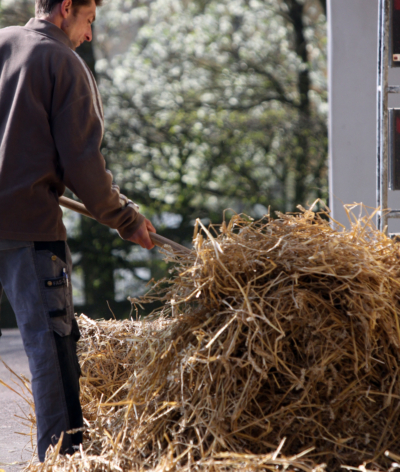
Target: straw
282	353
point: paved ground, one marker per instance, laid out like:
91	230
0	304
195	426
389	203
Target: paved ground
15	449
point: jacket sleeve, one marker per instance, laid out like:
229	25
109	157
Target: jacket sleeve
77	125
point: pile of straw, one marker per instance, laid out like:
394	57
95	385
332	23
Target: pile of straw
282	352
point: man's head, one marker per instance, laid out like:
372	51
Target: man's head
74	17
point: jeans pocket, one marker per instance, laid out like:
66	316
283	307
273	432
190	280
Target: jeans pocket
55	280
61	322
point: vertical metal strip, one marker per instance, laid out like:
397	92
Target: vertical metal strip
378	116
385	117
382	113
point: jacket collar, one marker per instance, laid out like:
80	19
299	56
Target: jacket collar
48	29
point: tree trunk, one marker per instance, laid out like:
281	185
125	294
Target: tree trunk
301	143
323	4
97	263
86	52
95	241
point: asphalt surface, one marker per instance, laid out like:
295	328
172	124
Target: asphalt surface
15	449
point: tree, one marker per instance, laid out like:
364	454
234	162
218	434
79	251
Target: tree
324	7
16	13
219	104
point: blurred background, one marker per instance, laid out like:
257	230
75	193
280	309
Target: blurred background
209	105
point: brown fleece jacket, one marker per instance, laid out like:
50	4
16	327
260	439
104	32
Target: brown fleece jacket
51	127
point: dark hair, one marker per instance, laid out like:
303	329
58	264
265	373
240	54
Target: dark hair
44	7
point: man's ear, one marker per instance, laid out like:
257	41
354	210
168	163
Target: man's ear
66	8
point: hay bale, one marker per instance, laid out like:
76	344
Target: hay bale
281	329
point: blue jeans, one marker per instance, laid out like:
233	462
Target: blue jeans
36	279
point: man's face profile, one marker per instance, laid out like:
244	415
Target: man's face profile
77	22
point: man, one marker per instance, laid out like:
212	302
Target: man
51	128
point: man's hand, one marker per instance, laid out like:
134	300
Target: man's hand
141	235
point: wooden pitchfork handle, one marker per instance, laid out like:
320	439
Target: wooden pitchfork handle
157	240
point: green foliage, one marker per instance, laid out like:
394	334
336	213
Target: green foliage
213	105
16	13
205	111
